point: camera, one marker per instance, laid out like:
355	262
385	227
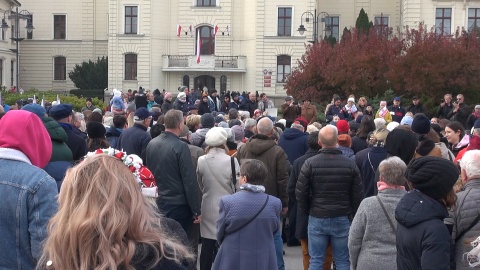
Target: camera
442	100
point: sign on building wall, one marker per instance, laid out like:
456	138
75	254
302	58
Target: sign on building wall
267	78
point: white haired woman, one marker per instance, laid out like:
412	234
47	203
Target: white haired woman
215	178
383	112
371	241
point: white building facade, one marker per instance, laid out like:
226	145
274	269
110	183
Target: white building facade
249	45
8	60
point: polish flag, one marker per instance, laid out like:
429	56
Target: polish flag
199	46
179	30
216	30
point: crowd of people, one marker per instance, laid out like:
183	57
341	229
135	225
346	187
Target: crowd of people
141	183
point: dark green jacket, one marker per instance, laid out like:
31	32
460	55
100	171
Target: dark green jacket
60	150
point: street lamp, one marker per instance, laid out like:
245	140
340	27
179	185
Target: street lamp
316	19
24	15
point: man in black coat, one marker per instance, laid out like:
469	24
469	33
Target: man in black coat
329	188
298	220
460	111
134	140
62	113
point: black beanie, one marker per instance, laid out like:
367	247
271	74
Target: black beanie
433	176
401	143
420	124
207	120
95	130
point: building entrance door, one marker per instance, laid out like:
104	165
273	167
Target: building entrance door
204	81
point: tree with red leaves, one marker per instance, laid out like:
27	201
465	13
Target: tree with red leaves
415	62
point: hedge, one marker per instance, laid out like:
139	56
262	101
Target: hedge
77	102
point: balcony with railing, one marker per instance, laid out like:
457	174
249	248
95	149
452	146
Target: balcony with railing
207	63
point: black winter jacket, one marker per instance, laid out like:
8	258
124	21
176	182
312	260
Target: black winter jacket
170	161
423	240
329	185
134	140
302	217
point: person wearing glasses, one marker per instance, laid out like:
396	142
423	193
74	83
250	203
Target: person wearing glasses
460	111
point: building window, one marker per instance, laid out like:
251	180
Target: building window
206	3
473	19
284	21
131	20
30	20
223	84
60	68
1	72
59	26
186	80
207	40
283	68
381	25
332	26
130	66
443	20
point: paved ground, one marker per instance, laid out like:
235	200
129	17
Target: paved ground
292	257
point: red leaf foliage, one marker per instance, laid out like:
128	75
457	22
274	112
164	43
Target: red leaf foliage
415	62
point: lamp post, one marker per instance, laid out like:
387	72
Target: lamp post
316	19
16	15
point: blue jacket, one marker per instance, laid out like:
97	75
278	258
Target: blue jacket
134	140
294	143
112	136
255	240
29	200
366	159
334	110
423	240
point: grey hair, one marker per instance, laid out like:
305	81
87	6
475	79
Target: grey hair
250	122
470	164
255	171
379	123
173	118
298	126
265	126
392	170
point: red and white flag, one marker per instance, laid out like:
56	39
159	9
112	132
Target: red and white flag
216	30
199	46
179	30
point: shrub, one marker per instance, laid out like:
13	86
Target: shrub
77	102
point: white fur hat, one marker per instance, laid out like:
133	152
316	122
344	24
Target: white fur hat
216	136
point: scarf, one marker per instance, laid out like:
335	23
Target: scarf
382	186
477	115
383	112
252	188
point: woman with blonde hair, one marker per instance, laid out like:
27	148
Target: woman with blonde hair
104	222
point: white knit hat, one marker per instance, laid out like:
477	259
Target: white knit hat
216	136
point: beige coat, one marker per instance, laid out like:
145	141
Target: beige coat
214	175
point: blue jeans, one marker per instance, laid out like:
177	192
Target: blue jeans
278	242
323	230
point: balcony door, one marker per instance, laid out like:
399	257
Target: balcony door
205	80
